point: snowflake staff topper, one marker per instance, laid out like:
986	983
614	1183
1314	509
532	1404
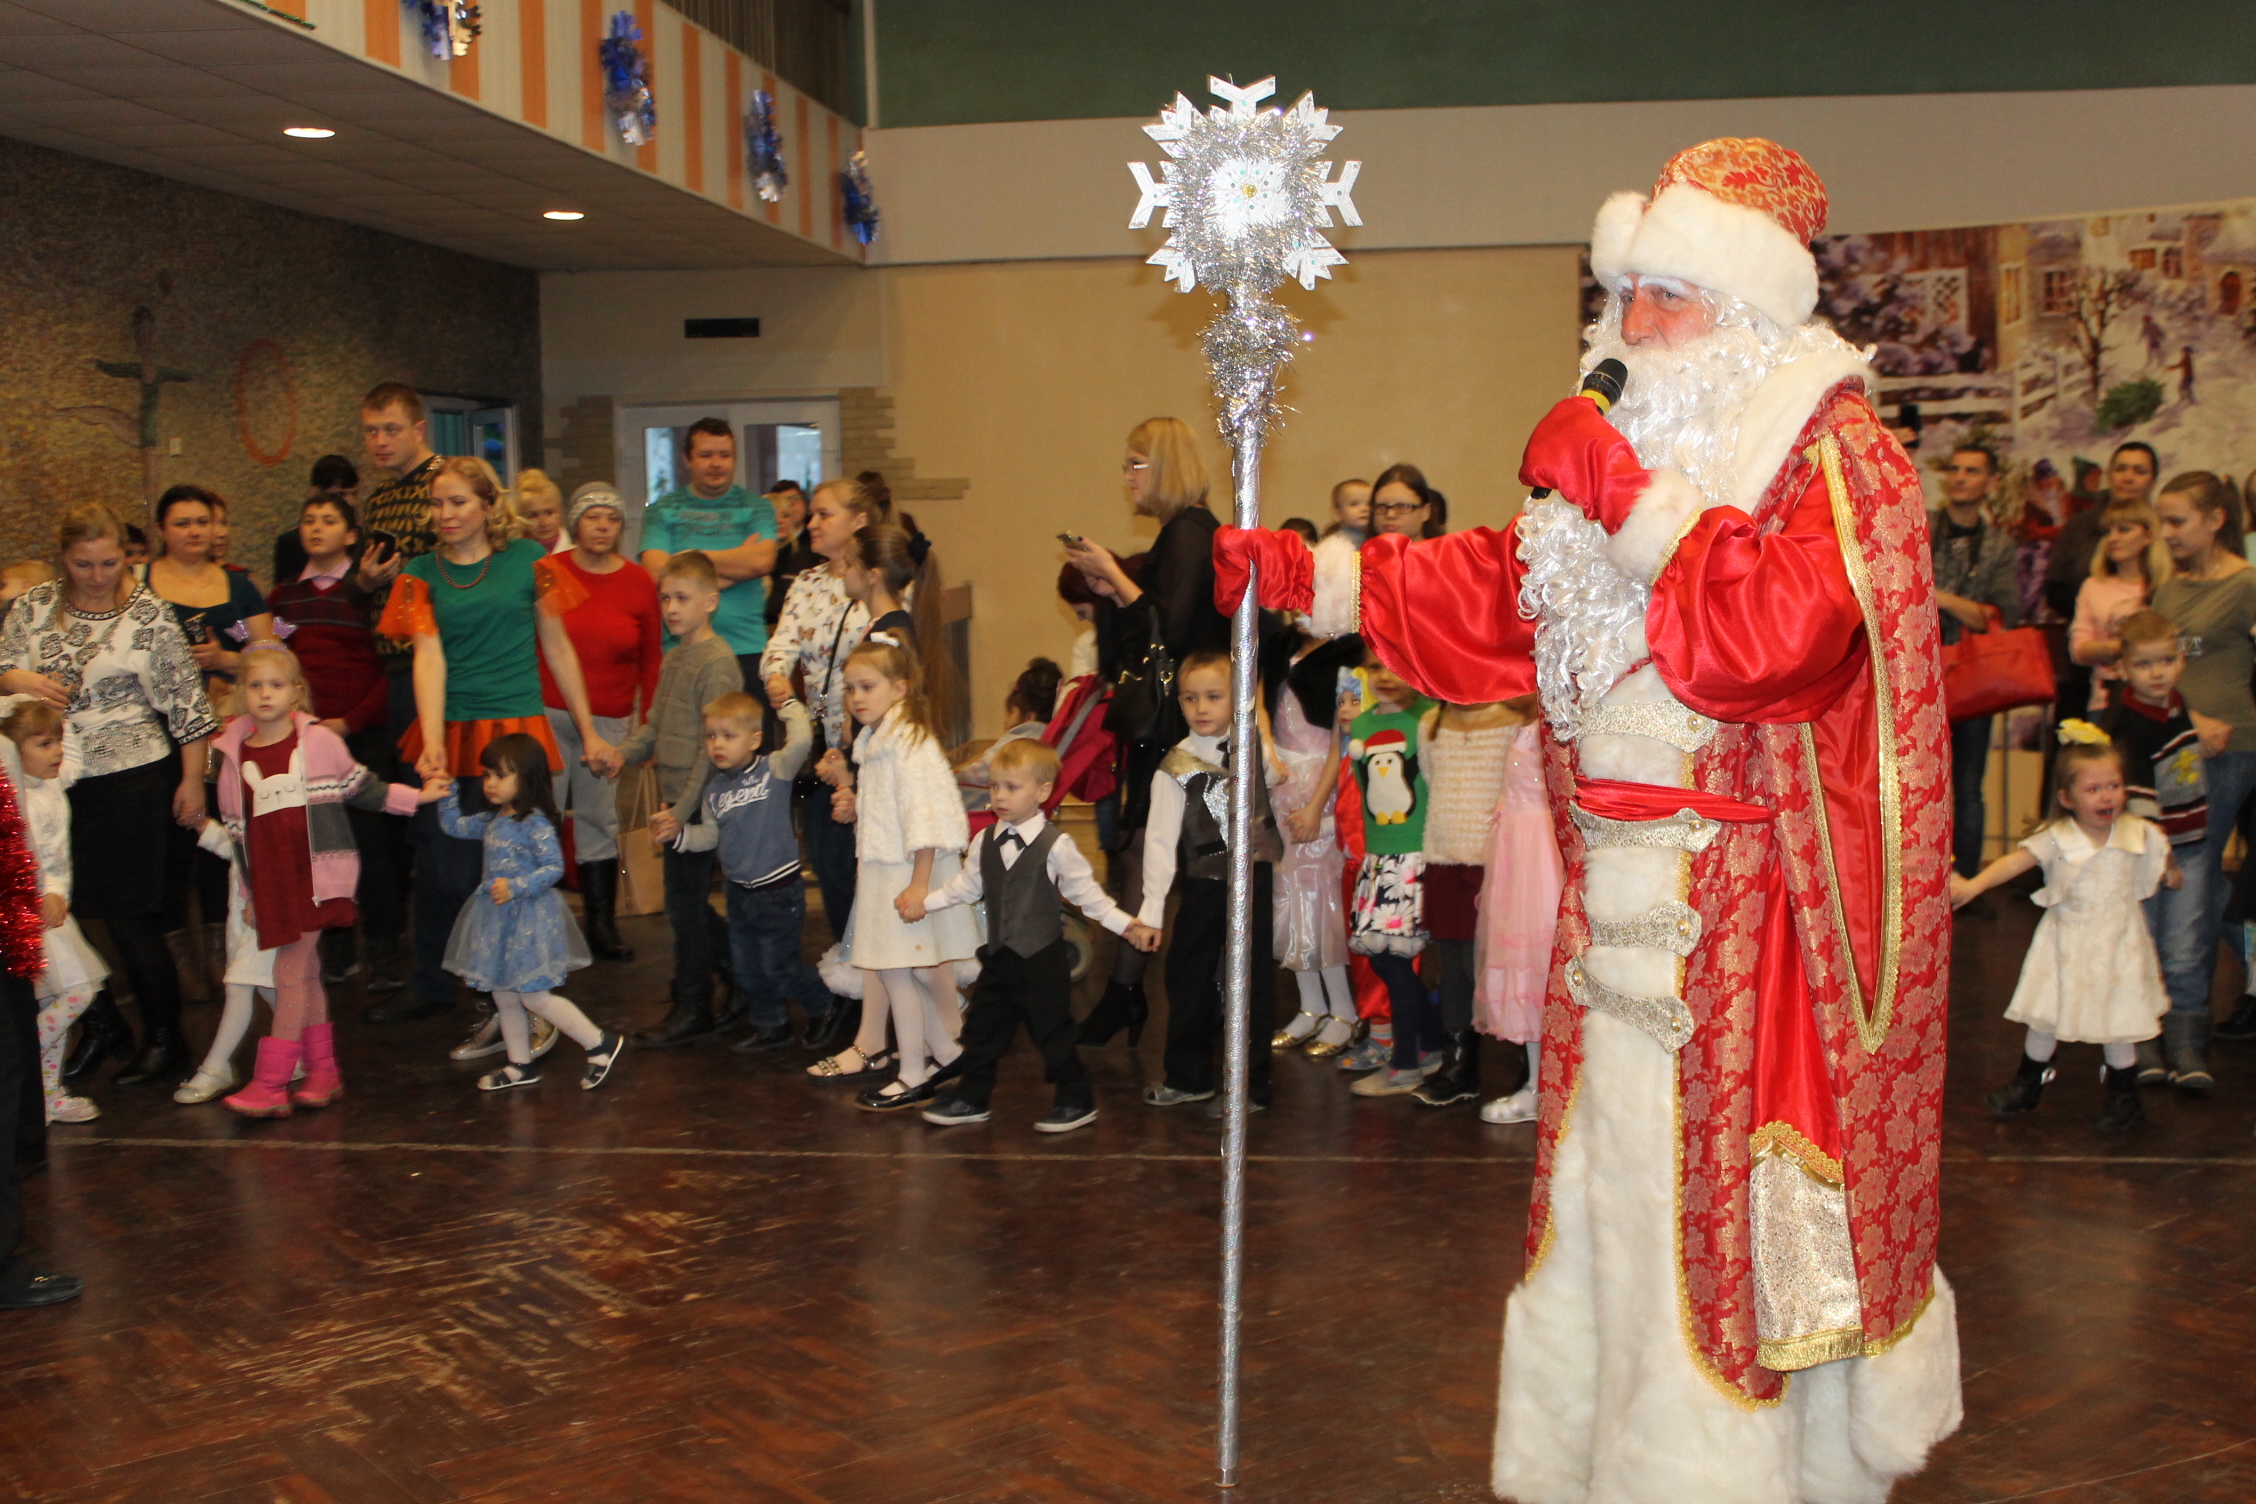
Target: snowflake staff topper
1248	197
1247	193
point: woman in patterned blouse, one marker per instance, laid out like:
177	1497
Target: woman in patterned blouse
99	646
818	629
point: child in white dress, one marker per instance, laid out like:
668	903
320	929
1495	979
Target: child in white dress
42	761
2091	975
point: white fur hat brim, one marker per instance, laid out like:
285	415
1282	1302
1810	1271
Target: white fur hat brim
1691	235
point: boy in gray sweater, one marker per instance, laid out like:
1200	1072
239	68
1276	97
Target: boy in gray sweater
748	822
700	669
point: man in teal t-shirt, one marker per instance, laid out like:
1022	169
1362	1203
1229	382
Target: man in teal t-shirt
732	526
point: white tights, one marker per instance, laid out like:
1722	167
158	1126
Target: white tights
2041	1045
56	1015
517	1034
927	1016
1327	991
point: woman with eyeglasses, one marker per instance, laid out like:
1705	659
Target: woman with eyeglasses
1402	502
1170	603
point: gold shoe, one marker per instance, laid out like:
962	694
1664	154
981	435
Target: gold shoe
1323	1050
1286	1039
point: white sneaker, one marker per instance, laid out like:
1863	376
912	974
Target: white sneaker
65	1109
1519	1107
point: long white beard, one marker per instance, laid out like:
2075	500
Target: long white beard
1680	410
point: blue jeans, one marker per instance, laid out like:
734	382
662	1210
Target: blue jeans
1970	762
765	930
701	939
2186	924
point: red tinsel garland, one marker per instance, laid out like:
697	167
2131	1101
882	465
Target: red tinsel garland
23	948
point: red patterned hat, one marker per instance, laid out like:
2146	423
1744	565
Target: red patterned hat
1734	215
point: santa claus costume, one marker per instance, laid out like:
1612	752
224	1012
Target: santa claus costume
1731	1293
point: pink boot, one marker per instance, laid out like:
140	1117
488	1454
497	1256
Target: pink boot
322	1085
268	1095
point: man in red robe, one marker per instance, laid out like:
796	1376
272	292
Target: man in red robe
1726	607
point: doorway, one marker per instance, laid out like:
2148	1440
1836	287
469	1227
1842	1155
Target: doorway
795	439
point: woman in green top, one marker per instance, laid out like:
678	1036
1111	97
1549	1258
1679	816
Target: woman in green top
2211	598
1386	919
481	610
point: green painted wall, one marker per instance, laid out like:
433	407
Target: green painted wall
953	62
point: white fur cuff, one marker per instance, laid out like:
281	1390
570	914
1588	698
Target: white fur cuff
1648	536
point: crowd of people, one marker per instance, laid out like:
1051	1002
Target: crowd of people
393	760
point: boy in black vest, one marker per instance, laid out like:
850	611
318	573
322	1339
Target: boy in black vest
1021	866
1186	847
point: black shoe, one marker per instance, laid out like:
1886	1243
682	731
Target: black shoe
764	1037
600	1059
885	1099
730	1006
35	1290
338	961
102	1033
1458	1080
2185	1040
387	967
599	898
2241	1027
406	1010
2024	1091
162	1061
825	1032
1060	1119
1121	1007
2123	1111
950	1111
684	1023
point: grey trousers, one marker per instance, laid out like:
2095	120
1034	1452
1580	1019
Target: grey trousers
592	802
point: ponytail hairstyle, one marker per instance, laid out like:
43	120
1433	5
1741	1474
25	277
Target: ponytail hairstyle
911	571
1034	692
2206	492
899	665
850	496
519	754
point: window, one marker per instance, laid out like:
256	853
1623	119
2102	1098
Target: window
2060	290
2143	259
2173	262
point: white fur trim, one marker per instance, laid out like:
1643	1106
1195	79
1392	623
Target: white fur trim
1333	614
1688	232
1668	501
1778	411
845	979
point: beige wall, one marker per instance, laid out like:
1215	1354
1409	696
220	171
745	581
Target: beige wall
1027	376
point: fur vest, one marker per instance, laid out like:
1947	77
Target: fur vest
905	798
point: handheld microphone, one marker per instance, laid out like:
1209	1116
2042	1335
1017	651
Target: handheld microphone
1603	386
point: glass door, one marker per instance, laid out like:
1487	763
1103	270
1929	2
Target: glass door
794	439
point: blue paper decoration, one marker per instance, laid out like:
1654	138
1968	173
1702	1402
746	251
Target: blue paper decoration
449	26
626	81
861	207
763	147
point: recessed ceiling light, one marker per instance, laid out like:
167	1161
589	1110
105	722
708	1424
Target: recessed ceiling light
308	132
563	214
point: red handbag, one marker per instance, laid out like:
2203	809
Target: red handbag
1986	672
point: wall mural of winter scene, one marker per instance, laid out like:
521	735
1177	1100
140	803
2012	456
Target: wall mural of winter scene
2053	343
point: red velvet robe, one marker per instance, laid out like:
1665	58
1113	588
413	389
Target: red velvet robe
1809	629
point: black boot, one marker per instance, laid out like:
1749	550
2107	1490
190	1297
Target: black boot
2123	1111
338	960
1458	1080
387	965
2024	1091
102	1032
1121	1007
2241	1027
599	898
684	1023
730	1006
2185	1040
162	1062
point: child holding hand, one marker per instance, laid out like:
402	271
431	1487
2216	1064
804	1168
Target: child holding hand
43	759
1021	866
2091	975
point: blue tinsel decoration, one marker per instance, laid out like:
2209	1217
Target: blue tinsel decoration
626	81
861	207
449	26
763	147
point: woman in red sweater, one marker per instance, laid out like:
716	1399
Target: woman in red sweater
331	623
615	631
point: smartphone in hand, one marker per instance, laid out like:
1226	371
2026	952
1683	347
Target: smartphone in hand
382	545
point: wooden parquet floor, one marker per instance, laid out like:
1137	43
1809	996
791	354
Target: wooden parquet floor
714	1279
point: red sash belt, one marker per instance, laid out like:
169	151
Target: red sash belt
1793	1084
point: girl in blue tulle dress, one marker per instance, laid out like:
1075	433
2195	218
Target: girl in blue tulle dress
515	939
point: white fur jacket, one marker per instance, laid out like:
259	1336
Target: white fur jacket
905	799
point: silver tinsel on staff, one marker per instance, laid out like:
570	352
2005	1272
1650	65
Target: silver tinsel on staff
1248	197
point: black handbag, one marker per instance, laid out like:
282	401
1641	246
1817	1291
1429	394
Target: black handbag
1143	705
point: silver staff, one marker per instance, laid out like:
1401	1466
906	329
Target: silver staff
1247	195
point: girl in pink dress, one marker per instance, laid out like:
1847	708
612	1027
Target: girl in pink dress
1519	914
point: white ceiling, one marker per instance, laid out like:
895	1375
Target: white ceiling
199	90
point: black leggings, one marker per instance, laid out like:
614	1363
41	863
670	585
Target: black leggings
148	967
189	869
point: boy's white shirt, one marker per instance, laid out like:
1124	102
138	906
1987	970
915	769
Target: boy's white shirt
1068	868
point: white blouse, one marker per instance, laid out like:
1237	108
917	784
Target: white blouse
130	675
819	627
